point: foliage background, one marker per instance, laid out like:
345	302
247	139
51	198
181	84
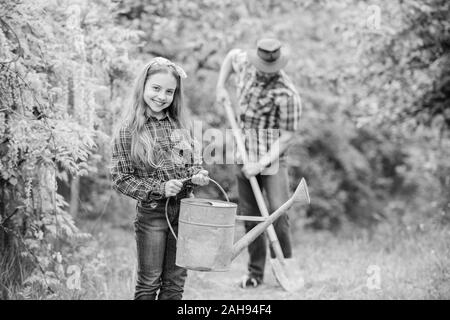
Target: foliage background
374	146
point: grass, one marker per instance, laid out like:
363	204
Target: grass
408	265
415	266
412	264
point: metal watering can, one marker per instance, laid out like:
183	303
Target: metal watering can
206	230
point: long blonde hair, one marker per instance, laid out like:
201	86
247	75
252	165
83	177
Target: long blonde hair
142	141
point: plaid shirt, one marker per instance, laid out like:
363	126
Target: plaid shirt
170	156
267	103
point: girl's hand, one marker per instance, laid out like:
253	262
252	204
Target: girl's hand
173	187
200	178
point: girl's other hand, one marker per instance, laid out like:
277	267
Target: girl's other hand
173	187
200	178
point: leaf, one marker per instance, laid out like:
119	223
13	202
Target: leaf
13	181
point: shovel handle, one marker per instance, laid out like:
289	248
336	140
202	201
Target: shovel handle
253	182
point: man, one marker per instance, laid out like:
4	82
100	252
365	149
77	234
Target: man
269	107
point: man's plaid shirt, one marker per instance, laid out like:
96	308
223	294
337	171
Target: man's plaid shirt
173	156
268	104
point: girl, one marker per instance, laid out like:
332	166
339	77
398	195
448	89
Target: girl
151	158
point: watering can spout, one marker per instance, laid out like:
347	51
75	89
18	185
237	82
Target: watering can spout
300	196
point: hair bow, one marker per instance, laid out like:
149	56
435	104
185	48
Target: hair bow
166	62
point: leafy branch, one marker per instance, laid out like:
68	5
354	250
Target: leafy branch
20	50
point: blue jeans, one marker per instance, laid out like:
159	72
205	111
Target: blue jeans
156	253
277	193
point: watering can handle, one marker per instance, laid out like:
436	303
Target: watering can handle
168	199
216	183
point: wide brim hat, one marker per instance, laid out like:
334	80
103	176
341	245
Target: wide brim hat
269	56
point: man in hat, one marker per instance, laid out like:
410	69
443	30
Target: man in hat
269	113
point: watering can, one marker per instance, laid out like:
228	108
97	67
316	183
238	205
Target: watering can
206	230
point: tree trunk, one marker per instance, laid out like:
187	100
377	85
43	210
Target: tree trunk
74	181
74	196
10	272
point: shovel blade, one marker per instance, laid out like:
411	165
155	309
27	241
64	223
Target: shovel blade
287	276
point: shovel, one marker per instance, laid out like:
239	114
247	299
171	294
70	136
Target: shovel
279	265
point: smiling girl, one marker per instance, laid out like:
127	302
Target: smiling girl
152	154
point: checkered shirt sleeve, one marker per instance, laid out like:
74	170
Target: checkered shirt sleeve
290	108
